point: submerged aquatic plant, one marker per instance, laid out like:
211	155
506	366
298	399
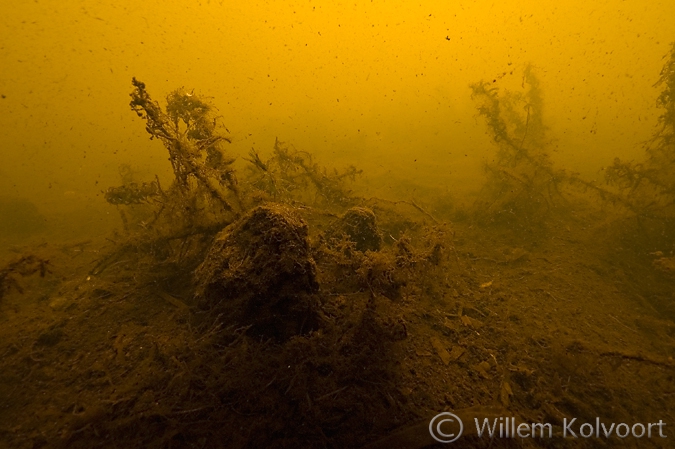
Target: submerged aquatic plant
174	223
522	183
524	186
648	186
515	120
291	175
188	131
658	170
666	100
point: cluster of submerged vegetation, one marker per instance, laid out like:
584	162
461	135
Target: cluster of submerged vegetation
648	186
209	212
206	194
524	189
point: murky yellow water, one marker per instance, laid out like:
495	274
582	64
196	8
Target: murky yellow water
382	85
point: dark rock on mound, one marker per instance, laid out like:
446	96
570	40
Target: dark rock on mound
259	272
360	226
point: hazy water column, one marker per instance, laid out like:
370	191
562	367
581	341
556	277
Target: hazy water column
383	85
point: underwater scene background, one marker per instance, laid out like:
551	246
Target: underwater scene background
313	224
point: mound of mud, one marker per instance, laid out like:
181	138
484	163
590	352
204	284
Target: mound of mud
259	272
